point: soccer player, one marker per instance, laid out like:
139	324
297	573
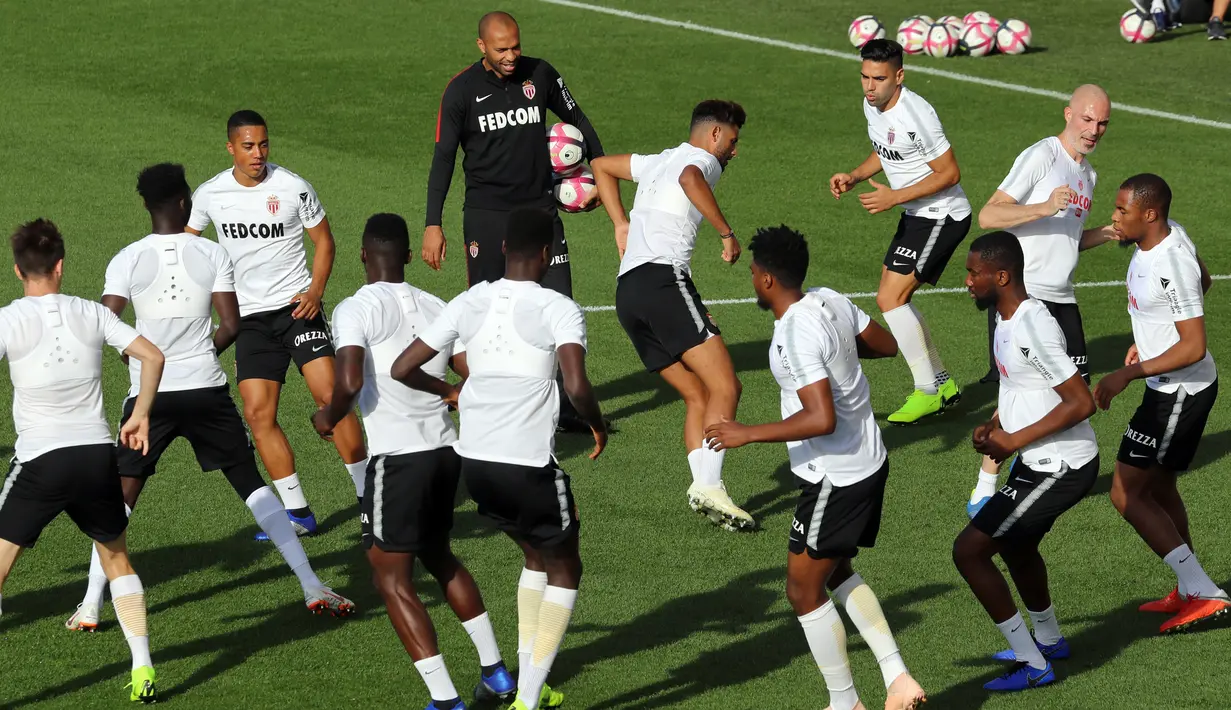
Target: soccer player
1166	283
909	145
1042	417
413	472
1044	201
261	212
656	301
64	459
516	333
173	280
837	456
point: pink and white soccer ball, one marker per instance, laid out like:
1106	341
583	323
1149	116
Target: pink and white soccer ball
864	29
957	23
983	17
927	19
1137	27
941	41
978	40
911	34
1013	37
574	188
567	147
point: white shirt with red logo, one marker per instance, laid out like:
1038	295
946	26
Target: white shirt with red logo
1050	244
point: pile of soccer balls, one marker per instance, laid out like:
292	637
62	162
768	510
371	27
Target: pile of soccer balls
978	34
574	183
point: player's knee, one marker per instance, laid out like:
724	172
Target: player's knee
966	553
887	300
260	417
803	595
1119	498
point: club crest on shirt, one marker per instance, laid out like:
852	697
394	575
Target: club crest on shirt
527	88
271	204
891	136
474	250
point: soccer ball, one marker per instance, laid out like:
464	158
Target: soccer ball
978	40
574	188
926	19
911	34
941	41
983	17
958	24
1137	27
1013	37
567	147
864	29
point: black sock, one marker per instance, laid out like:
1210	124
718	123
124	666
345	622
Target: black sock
488	670
300	512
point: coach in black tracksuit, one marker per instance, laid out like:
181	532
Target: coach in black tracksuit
496	110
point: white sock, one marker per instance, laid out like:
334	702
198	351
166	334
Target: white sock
986	487
915	343
358	472
529	600
1022	642
271	516
1192	577
97	578
291	492
484	639
436	678
128	597
1157	6
706	465
554	615
1046	627
865	611
827	640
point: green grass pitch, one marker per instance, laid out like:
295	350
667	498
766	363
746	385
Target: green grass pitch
673	613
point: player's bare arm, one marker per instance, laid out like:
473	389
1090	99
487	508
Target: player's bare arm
1190	349
226	305
347	383
875	342
1206	279
817	418
581	393
135	434
1097	236
323	248
1003	212
1076	405
702	197
608	171
945	174
408	369
843	182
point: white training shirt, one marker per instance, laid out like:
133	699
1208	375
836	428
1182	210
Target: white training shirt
262	229
183	267
1164	287
814	341
510	403
54	345
384	318
907	137
1050	244
662	227
1030	354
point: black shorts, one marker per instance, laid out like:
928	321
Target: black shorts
79	480
483	233
661	311
206	417
408	502
1029	502
1166	429
267	343
835	521
531	503
923	246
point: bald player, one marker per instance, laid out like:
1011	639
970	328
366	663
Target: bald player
1044	201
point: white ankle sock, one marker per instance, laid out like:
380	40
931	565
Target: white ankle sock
291	492
1192	577
484	639
436	677
1046	627
1022	643
706	465
986	487
271	516
865	611
827	640
358	473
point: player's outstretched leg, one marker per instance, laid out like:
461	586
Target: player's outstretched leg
9	553
85	618
823	628
934	388
347	435
853	594
128	598
546	625
260	398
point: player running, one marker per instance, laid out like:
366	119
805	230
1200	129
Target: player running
516	333
407	509
656	301
1042	416
1044	201
837	456
1166	284
909	145
174	280
261	212
64	459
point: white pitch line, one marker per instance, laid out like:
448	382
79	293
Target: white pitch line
870	294
914	68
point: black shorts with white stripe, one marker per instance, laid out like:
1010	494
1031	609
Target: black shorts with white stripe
82	481
408	500
1166	429
923	246
835	521
660	309
530	503
206	417
1029	503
